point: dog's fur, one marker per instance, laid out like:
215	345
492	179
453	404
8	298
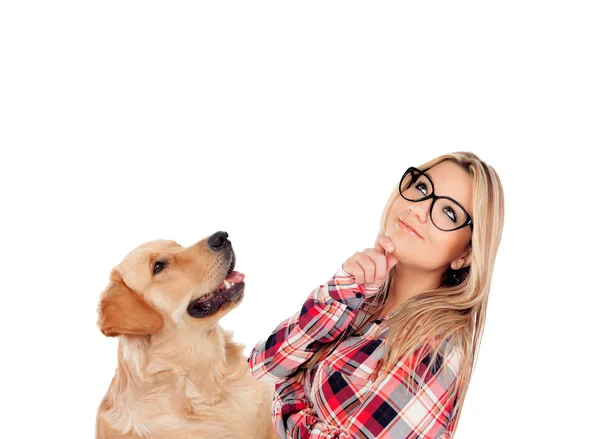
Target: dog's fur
178	376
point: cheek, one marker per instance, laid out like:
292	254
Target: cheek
449	247
434	251
169	303
159	297
172	292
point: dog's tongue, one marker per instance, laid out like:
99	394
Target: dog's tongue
234	277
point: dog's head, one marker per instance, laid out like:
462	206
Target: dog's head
161	282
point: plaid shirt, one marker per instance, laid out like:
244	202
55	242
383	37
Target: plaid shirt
343	396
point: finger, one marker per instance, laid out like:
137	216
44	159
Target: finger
354	268
368	267
345	267
380	261
384	243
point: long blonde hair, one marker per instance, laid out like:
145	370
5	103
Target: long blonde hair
452	315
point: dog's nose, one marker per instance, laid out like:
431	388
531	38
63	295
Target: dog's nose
218	240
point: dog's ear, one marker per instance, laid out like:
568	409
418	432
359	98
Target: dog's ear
122	311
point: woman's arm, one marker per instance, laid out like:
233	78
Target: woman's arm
327	311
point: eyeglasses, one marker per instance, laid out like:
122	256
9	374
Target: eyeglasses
445	213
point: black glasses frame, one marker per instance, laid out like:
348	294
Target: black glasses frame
412	169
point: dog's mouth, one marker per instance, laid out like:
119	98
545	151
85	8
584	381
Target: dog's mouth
230	291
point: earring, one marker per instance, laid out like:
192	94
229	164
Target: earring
455	278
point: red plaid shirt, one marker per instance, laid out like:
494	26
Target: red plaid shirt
342	396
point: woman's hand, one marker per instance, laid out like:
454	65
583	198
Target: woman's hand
372	265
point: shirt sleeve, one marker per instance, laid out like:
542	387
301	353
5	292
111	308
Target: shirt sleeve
325	314
392	411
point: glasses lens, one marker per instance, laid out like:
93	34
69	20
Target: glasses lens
415	186
448	215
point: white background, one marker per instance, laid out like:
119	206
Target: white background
287	125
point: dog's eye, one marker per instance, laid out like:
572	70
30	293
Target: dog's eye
158	266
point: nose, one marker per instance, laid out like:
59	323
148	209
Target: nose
420	211
218	241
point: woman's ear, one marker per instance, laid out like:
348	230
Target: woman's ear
463	261
122	311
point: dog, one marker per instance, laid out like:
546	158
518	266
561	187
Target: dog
179	374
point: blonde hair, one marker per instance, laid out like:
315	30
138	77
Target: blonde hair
452	315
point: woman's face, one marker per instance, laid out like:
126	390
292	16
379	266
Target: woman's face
434	249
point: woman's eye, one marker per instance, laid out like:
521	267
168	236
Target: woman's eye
422	185
453	217
158	266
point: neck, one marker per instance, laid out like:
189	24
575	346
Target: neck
164	381
407	282
199	360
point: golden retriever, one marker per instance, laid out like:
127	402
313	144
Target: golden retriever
179	373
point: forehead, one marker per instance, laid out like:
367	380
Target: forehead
451	180
150	248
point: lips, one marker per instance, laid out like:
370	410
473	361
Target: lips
231	290
409	227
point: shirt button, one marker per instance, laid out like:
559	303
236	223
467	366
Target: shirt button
359	295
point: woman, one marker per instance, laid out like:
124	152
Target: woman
386	348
